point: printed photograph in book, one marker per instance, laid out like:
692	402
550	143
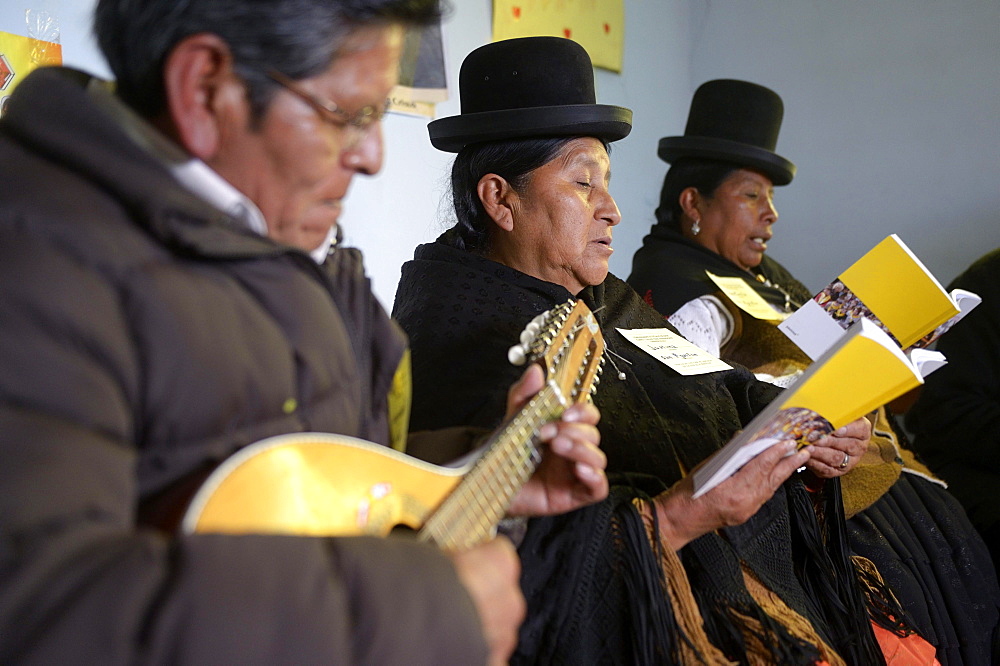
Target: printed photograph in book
803	425
841	304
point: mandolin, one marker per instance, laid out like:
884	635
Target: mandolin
317	484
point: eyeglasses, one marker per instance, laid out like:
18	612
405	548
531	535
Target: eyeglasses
356	124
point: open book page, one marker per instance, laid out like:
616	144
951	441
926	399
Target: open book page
888	285
863	370
925	361
966	302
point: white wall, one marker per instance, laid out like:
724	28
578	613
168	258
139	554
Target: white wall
891	116
73	18
388	216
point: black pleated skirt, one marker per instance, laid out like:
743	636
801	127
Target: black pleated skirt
938	567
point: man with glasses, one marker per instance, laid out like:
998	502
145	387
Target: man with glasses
168	298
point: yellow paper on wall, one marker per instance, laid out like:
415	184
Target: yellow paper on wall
597	25
19	56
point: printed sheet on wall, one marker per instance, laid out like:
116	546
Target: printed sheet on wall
20	55
598	25
422	81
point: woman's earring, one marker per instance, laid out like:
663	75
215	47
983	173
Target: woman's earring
696	228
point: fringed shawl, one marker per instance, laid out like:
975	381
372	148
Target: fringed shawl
462	313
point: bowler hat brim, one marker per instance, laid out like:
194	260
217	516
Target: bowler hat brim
776	167
606	122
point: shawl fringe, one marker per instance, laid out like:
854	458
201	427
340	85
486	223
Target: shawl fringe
734	621
796	623
829	576
693	645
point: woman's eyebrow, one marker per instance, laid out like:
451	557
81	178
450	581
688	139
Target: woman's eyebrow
590	162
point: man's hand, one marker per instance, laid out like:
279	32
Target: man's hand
571	473
838	453
491	575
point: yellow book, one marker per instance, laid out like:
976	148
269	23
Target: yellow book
864	369
888	285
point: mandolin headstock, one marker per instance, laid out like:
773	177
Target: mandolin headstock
567	342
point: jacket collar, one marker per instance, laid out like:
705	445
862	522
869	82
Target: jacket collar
53	111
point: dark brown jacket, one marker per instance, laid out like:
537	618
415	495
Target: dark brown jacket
144	336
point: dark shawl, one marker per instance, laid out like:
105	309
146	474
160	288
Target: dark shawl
919	539
462	312
669	270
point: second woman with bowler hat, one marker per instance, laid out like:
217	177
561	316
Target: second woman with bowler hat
716	215
745	573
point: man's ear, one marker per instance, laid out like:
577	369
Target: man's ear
498	198
203	94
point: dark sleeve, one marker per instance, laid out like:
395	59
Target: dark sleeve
665	282
957	418
750	395
81	583
443	446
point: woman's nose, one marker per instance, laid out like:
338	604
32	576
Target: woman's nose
610	211
771	212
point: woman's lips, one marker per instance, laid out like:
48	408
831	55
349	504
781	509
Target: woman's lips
605	245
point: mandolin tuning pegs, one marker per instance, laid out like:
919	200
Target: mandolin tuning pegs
516	355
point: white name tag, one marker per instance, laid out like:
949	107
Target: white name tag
746	298
672	350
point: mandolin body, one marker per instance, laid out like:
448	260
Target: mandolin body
315	484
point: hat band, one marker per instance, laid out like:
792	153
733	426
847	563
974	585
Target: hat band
607	122
780	170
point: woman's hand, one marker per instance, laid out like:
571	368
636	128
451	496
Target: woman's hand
732	502
571	473
838	453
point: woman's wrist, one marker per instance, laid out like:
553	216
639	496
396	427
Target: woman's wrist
670	509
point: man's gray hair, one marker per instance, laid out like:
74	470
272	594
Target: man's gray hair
299	38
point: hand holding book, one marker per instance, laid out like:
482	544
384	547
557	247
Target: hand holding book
863	370
685	515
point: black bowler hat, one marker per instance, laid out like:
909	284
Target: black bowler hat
733	121
528	87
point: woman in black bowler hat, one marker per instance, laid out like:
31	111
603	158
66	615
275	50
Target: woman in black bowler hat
745	573
716	214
